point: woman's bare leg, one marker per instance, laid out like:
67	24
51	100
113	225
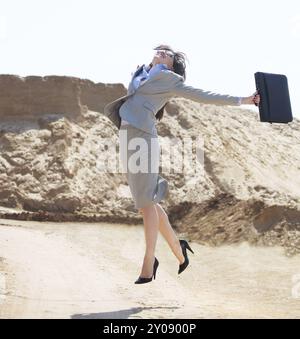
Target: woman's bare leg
168	233
151	226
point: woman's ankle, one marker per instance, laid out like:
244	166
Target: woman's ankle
179	253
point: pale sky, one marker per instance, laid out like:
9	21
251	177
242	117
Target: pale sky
226	41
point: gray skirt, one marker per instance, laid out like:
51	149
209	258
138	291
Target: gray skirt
140	154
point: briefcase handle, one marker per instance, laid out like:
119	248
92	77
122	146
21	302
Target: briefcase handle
257	93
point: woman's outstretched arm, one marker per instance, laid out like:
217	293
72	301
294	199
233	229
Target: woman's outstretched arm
208	97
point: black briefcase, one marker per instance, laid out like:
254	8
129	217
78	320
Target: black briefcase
275	104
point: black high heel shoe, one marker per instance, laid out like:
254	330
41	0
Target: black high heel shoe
184	245
147	280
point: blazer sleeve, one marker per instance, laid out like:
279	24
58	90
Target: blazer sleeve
202	96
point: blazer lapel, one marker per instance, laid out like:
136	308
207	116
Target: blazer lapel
138	71
167	78
170	78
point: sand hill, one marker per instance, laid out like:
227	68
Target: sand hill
50	131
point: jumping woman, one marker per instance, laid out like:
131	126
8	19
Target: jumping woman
135	115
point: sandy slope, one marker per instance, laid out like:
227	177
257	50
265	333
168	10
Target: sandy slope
70	270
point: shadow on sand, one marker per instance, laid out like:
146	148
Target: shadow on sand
122	314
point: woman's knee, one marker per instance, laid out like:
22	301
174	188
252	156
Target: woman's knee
147	208
162	213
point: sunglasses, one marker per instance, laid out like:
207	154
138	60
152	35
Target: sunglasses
165	53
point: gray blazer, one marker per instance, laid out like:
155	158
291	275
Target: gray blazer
140	106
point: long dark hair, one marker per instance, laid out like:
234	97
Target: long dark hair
179	66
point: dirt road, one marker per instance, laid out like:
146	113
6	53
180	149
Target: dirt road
69	270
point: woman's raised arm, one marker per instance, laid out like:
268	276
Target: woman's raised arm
206	97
